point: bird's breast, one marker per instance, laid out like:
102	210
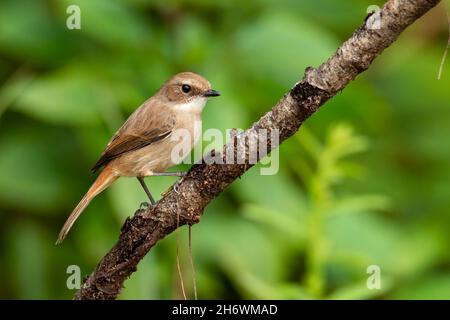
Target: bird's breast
159	156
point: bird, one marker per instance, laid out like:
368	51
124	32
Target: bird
143	146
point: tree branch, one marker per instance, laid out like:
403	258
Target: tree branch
204	182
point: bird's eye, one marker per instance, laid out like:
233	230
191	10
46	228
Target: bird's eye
186	88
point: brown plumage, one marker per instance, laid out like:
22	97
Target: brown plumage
143	145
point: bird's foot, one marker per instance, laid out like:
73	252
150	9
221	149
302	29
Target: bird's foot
144	206
180	174
176	187
168	174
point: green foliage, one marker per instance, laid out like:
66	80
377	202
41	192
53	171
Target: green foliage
372	189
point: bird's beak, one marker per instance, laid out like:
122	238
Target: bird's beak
211	93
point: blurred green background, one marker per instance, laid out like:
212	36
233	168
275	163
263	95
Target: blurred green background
365	182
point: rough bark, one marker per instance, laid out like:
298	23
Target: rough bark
204	182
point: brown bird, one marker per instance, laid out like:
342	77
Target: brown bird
144	145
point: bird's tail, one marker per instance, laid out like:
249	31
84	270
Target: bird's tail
105	178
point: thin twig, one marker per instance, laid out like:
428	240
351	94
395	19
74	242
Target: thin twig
178	258
191	260
441	67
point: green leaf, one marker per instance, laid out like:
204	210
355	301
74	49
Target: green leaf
111	22
262	44
360	203
289	225
33	175
28	257
65	97
360	291
431	287
28	32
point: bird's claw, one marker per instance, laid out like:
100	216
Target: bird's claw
144	206
176	188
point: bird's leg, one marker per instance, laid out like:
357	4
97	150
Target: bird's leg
169	174
144	205
144	186
176	187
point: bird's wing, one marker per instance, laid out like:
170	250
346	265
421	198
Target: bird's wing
140	130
